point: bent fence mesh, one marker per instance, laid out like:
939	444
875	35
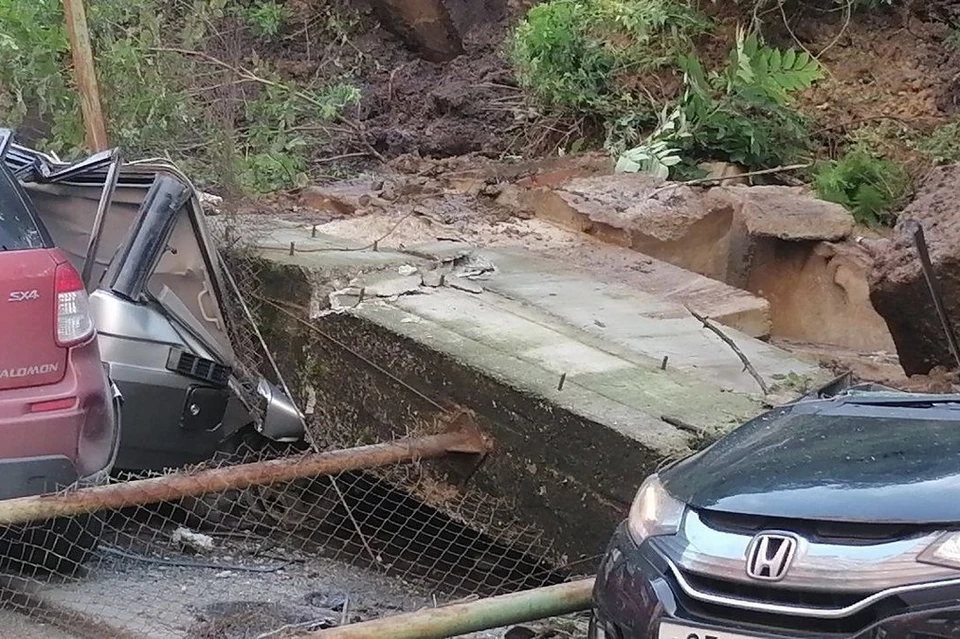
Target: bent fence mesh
270	561
242	563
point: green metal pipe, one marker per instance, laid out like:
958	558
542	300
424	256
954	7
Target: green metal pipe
458	619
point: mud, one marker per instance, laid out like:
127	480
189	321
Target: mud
882	69
410	104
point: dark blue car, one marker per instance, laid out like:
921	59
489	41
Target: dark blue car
834	517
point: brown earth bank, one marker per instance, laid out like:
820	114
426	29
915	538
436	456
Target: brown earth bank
891	67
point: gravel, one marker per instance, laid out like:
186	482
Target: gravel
233	593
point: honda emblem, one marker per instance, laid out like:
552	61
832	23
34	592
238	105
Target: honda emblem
769	556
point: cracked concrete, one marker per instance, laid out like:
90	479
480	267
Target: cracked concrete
500	348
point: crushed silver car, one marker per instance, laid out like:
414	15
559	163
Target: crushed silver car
135	232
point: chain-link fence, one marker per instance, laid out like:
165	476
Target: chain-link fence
313	551
226	549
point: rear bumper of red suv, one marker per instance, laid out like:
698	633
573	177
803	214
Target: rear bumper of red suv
48	441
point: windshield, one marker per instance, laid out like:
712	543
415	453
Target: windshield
19	228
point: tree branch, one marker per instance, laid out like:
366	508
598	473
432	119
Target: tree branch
747	366
727	178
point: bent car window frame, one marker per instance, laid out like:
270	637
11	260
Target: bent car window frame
20	228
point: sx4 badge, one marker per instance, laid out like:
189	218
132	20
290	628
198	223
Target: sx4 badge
23	296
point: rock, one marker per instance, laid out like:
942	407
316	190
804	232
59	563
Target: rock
432	279
388	192
321	199
511	197
192	541
210	203
788	213
707	231
425	25
898	289
678	225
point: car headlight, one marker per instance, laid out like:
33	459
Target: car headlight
653	512
945	551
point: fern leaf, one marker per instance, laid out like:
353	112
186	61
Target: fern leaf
775	60
789	58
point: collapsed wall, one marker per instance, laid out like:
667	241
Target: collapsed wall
585	386
779	243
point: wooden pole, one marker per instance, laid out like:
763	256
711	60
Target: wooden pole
458	619
202	482
85	74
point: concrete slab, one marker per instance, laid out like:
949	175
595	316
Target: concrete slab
561	368
646	325
726	304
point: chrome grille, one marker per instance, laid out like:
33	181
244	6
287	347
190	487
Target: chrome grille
702	548
763	592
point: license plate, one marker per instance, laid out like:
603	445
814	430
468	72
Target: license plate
676	631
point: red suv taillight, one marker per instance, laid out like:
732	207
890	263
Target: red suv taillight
74	323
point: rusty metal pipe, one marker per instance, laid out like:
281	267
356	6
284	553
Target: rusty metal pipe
193	484
458	619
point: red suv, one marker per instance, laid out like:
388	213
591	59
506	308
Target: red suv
58	415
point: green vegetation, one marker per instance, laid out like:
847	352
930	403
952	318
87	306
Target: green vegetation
743	113
33	49
871	188
584	56
740	114
600	59
942	146
265	18
230	118
574	56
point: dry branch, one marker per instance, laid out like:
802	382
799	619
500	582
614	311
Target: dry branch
710	180
747	366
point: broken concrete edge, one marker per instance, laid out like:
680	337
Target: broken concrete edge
626	209
730	234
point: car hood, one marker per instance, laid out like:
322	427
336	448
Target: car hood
831	460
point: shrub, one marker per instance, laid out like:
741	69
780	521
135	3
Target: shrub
33	55
265	18
573	55
157	99
741	114
943	144
871	188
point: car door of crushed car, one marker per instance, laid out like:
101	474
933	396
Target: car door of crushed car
136	231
